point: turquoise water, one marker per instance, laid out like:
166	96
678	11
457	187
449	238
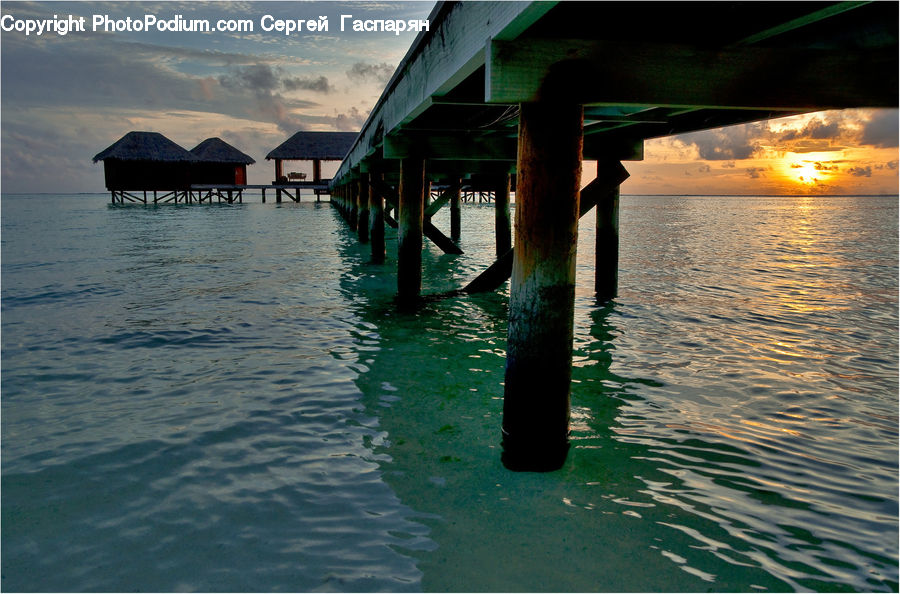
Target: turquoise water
224	398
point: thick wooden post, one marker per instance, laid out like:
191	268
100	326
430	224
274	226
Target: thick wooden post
409	233
376	223
502	226
362	225
606	247
455	211
279	170
542	288
317	170
353	199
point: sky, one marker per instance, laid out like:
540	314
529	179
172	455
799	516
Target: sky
65	98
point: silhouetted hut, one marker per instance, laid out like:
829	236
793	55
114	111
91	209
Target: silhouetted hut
219	163
311	146
146	161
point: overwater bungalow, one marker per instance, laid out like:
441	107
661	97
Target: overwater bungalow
310	146
146	161
219	163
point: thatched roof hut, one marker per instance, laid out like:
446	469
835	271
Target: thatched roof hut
216	150
219	163
312	146
145	161
307	146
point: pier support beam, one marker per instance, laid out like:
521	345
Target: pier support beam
606	247
542	288
409	233
353	199
362	224
455	211
376	221
502	226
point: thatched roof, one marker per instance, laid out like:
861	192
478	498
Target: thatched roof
144	146
315	145
216	150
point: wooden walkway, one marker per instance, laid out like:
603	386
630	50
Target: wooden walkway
513	95
218	193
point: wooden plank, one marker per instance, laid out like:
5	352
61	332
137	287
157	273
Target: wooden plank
438	61
469	146
813	17
601	72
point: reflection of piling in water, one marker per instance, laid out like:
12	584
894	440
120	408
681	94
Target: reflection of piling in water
495	89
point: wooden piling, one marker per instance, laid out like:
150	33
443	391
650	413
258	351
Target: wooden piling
542	288
376	222
502	226
409	233
362	225
455	217
353	204
606	247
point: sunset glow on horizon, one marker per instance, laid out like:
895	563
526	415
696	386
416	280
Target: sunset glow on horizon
852	151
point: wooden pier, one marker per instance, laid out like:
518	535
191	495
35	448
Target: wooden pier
501	96
217	193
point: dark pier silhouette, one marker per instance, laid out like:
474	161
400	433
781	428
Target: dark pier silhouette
512	96
503	98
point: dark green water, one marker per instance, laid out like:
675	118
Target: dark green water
225	398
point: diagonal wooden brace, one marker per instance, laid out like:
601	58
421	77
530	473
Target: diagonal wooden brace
428	229
609	177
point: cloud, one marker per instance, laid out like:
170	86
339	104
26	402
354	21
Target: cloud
350	122
319	85
259	78
727	144
262	78
881	129
815	129
861	171
755	172
380	73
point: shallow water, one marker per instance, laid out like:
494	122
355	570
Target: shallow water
225	398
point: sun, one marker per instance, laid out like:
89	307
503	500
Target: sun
809	169
805	173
